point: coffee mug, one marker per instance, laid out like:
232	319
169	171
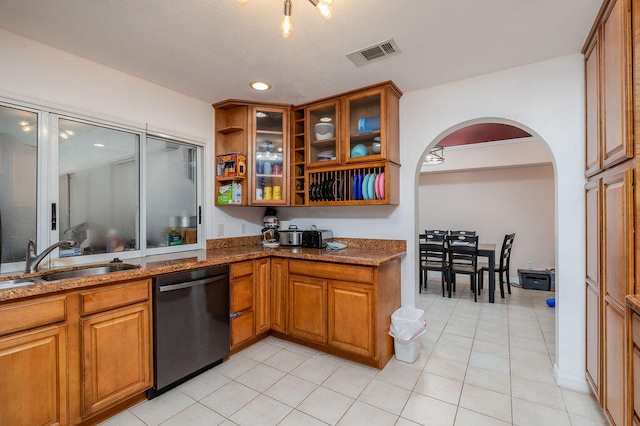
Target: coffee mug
277	169
267	168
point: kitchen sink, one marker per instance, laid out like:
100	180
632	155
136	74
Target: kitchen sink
19	282
87	272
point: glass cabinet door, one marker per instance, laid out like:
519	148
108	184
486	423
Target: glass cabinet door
270	148
322	134
366	141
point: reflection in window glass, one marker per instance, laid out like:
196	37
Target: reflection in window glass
18	172
171	193
98	188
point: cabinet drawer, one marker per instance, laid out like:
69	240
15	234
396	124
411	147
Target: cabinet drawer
242	294
115	296
352	273
26	315
241	269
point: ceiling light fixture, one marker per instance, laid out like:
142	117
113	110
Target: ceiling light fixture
286	27
260	85
435	156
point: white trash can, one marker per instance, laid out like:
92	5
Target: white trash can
406	328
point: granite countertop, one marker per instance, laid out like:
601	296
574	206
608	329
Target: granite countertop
220	251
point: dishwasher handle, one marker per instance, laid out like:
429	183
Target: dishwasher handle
172	287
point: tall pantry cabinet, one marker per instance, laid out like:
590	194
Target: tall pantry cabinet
610	169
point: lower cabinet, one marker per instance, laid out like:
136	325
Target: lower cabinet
308	308
634	411
343	309
66	358
279	282
34	377
262	276
116	356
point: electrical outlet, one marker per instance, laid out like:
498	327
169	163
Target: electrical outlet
220	229
243	228
529	264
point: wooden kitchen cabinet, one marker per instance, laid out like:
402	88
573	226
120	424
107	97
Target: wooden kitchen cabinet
308	308
34	362
116	340
593	305
242	303
262	286
260	131
279	283
608	77
350	317
343	309
634	412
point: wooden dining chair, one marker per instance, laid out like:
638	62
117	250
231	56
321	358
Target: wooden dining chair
462	254
433	257
502	268
436	232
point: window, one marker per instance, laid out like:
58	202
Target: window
111	189
18	175
98	170
171	193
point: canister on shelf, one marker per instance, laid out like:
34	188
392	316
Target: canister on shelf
277	194
268	194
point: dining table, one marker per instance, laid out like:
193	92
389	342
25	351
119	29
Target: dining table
489	251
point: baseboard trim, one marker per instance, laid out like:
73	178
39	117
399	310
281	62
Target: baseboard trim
571	382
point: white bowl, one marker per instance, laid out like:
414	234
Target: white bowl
324	131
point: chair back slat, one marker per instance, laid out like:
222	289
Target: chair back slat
464	233
436	232
462	252
505	255
433	248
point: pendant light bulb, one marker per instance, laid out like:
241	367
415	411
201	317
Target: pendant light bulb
286	28
243	2
325	10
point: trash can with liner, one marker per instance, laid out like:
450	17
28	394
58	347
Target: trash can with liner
406	328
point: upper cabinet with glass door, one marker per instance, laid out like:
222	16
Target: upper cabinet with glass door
270	156
371	123
323	125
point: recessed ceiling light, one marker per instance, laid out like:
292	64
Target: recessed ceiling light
63	135
70	132
24	123
260	85
325	119
99	145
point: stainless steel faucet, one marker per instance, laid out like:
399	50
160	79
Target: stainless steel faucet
33	260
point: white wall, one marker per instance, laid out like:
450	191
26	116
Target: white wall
495	202
546	98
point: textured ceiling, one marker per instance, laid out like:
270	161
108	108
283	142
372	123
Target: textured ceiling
211	49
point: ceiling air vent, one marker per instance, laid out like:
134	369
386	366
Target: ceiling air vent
372	53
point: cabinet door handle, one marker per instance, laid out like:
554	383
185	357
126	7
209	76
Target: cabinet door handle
235	315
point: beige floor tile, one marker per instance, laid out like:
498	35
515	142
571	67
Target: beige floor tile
298	418
405	422
229	398
439	387
466	417
314	370
263	411
451	353
326	405
577	420
203	384
260	351
155	411
538	358
196	415
582	403
449	369
492	336
291	390
534	372
429	411
460	329
548	395
235	366
399	375
491	348
285	360
125	418
487	402
260	377
347	382
528	344
456	341
489	362
527	413
488	379
361	414
385	396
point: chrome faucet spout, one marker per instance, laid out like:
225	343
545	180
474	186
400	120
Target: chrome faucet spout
33	259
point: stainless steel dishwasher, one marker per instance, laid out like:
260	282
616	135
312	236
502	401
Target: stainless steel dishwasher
191	324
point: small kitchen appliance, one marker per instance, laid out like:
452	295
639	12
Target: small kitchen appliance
317	238
291	236
270	235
